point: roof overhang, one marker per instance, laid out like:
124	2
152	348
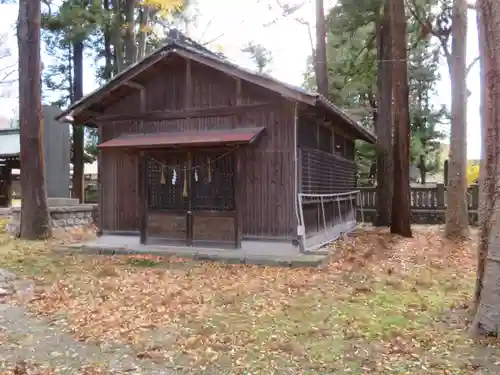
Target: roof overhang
361	132
238	136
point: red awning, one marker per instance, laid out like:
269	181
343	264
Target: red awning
183	139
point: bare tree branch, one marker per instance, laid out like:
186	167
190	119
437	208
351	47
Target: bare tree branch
209	23
286	10
471	65
309	33
206	43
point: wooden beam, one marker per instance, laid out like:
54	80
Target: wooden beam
99	184
13	164
189	213
134	85
238	199
8	187
91	114
239	100
188	113
143	198
143	105
188	94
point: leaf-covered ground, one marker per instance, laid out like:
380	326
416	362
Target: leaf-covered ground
382	305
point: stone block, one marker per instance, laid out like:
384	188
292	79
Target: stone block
57	202
62	217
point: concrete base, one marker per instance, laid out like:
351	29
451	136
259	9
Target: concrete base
66	202
267	253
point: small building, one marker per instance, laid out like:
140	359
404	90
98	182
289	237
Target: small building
196	151
9	160
56	159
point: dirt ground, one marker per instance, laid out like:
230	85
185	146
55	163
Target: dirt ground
382	305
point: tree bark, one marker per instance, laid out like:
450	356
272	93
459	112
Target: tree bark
320	60
484	204
487	319
130	46
35	219
400	223
78	130
116	37
383	126
143	31
457	221
108	54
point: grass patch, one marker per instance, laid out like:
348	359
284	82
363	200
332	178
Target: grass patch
382	305
142	262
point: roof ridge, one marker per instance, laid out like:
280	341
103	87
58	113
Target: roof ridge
175	36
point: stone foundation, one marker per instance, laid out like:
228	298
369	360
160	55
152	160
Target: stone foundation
63	217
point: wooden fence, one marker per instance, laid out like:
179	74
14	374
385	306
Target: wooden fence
425	202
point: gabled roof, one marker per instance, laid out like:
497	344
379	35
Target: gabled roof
187	48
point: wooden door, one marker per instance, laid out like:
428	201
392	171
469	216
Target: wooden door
168	196
191	197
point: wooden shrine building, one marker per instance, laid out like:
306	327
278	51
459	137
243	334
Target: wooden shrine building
197	151
9	160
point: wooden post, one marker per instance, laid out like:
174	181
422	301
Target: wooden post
143	193
3	192
188	94
189	213
99	185
143	104
445	168
238	92
300	171
440	196
238	198
239	100
8	186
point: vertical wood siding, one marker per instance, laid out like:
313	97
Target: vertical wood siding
267	167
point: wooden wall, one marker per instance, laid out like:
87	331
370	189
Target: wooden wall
267	168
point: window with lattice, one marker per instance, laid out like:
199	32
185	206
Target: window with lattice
211	184
213	181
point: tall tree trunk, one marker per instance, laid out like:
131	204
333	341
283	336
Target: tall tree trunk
320	60
143	31
35	220
108	54
130	46
383	126
484	204
487	319
400	223
457	222
78	130
116	37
